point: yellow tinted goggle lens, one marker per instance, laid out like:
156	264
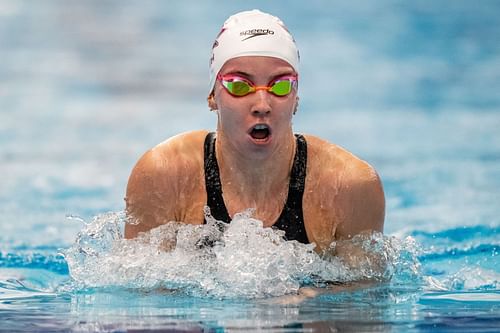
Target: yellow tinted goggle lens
281	88
238	88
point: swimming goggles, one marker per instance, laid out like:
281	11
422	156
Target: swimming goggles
239	86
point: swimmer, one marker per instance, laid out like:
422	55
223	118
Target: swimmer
313	190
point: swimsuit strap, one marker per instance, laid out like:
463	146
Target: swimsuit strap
291	219
213	185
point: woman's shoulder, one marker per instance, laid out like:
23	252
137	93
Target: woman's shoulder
183	142
325	151
180	153
327	158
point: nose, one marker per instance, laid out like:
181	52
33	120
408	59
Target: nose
262	103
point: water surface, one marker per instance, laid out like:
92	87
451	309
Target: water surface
87	87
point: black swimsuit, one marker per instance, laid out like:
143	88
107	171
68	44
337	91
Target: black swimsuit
291	219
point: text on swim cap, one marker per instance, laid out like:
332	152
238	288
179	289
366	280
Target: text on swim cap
256	32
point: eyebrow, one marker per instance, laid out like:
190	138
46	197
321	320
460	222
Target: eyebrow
241	73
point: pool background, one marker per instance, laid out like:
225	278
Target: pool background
87	87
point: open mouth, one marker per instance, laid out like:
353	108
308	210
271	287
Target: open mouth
260	132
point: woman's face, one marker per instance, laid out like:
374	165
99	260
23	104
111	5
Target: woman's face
259	123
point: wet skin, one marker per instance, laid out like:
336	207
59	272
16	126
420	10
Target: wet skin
343	194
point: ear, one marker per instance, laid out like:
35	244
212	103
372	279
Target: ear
211	102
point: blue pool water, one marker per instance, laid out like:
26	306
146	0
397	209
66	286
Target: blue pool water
87	87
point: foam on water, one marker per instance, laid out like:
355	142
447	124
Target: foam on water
240	259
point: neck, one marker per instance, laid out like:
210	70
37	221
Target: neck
255	176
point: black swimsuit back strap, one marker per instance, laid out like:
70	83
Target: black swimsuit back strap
291	219
213	184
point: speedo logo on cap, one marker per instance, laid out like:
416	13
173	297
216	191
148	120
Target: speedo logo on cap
255	32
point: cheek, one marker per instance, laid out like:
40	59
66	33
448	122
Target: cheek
225	103
230	109
286	109
229	118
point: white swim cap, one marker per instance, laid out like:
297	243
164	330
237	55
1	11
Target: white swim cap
252	33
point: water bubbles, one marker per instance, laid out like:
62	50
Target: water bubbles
240	259
75	218
466	279
259	261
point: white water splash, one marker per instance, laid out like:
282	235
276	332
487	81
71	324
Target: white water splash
467	278
240	259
